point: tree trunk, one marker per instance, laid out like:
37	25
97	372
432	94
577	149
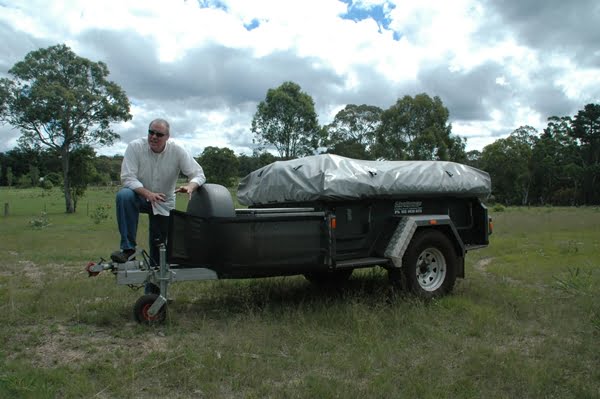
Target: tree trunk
525	193
69	208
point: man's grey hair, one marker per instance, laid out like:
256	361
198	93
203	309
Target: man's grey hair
162	122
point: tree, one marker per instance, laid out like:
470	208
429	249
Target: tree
82	172
508	161
352	132
220	165
20	159
254	162
62	101
418	129
110	167
473	158
454	149
287	120
9	176
350	148
34	175
586	128
556	164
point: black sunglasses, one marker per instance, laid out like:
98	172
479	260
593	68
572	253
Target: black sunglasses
154	132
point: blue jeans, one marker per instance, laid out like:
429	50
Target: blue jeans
129	206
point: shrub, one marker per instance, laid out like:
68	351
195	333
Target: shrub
100	214
40	222
47	184
24	181
498	208
55	178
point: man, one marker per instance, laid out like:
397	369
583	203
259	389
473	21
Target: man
149	176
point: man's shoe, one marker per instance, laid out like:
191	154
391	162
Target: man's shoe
122	256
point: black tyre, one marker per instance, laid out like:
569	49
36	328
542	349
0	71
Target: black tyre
329	278
429	265
142	306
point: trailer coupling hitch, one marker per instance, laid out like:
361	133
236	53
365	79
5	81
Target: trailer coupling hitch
94	268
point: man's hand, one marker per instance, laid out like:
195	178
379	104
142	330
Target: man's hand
155	197
150	196
188	188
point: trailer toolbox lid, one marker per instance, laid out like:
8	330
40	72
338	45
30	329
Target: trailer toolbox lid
332	177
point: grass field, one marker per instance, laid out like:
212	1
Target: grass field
524	323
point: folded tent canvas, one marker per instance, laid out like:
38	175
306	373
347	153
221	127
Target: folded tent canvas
333	178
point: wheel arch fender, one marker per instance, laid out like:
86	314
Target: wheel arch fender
408	227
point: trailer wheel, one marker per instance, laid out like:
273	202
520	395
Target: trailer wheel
329	279
429	264
152	288
141	308
89	268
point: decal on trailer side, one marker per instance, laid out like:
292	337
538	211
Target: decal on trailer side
408	207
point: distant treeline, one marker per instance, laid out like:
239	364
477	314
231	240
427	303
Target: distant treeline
558	166
25	168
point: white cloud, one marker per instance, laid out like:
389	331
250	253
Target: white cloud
204	70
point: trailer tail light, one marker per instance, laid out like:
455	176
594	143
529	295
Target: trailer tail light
490	226
433	222
333	223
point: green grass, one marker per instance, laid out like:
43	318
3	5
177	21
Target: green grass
525	322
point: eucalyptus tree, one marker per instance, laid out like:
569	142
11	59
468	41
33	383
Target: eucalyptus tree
220	165
586	129
82	173
352	131
60	100
508	161
557	164
418	129
256	161
287	120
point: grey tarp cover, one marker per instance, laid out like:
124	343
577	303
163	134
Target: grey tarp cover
332	177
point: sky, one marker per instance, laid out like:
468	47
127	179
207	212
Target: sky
205	65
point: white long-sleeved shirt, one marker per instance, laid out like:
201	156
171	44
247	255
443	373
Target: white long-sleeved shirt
158	173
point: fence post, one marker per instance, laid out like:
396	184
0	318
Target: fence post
5	209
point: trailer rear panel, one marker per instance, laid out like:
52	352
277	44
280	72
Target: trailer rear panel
252	244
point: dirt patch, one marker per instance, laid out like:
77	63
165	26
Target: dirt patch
482	264
31	271
25	268
62	347
53	353
524	344
482	267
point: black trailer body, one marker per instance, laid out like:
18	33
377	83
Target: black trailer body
324	236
